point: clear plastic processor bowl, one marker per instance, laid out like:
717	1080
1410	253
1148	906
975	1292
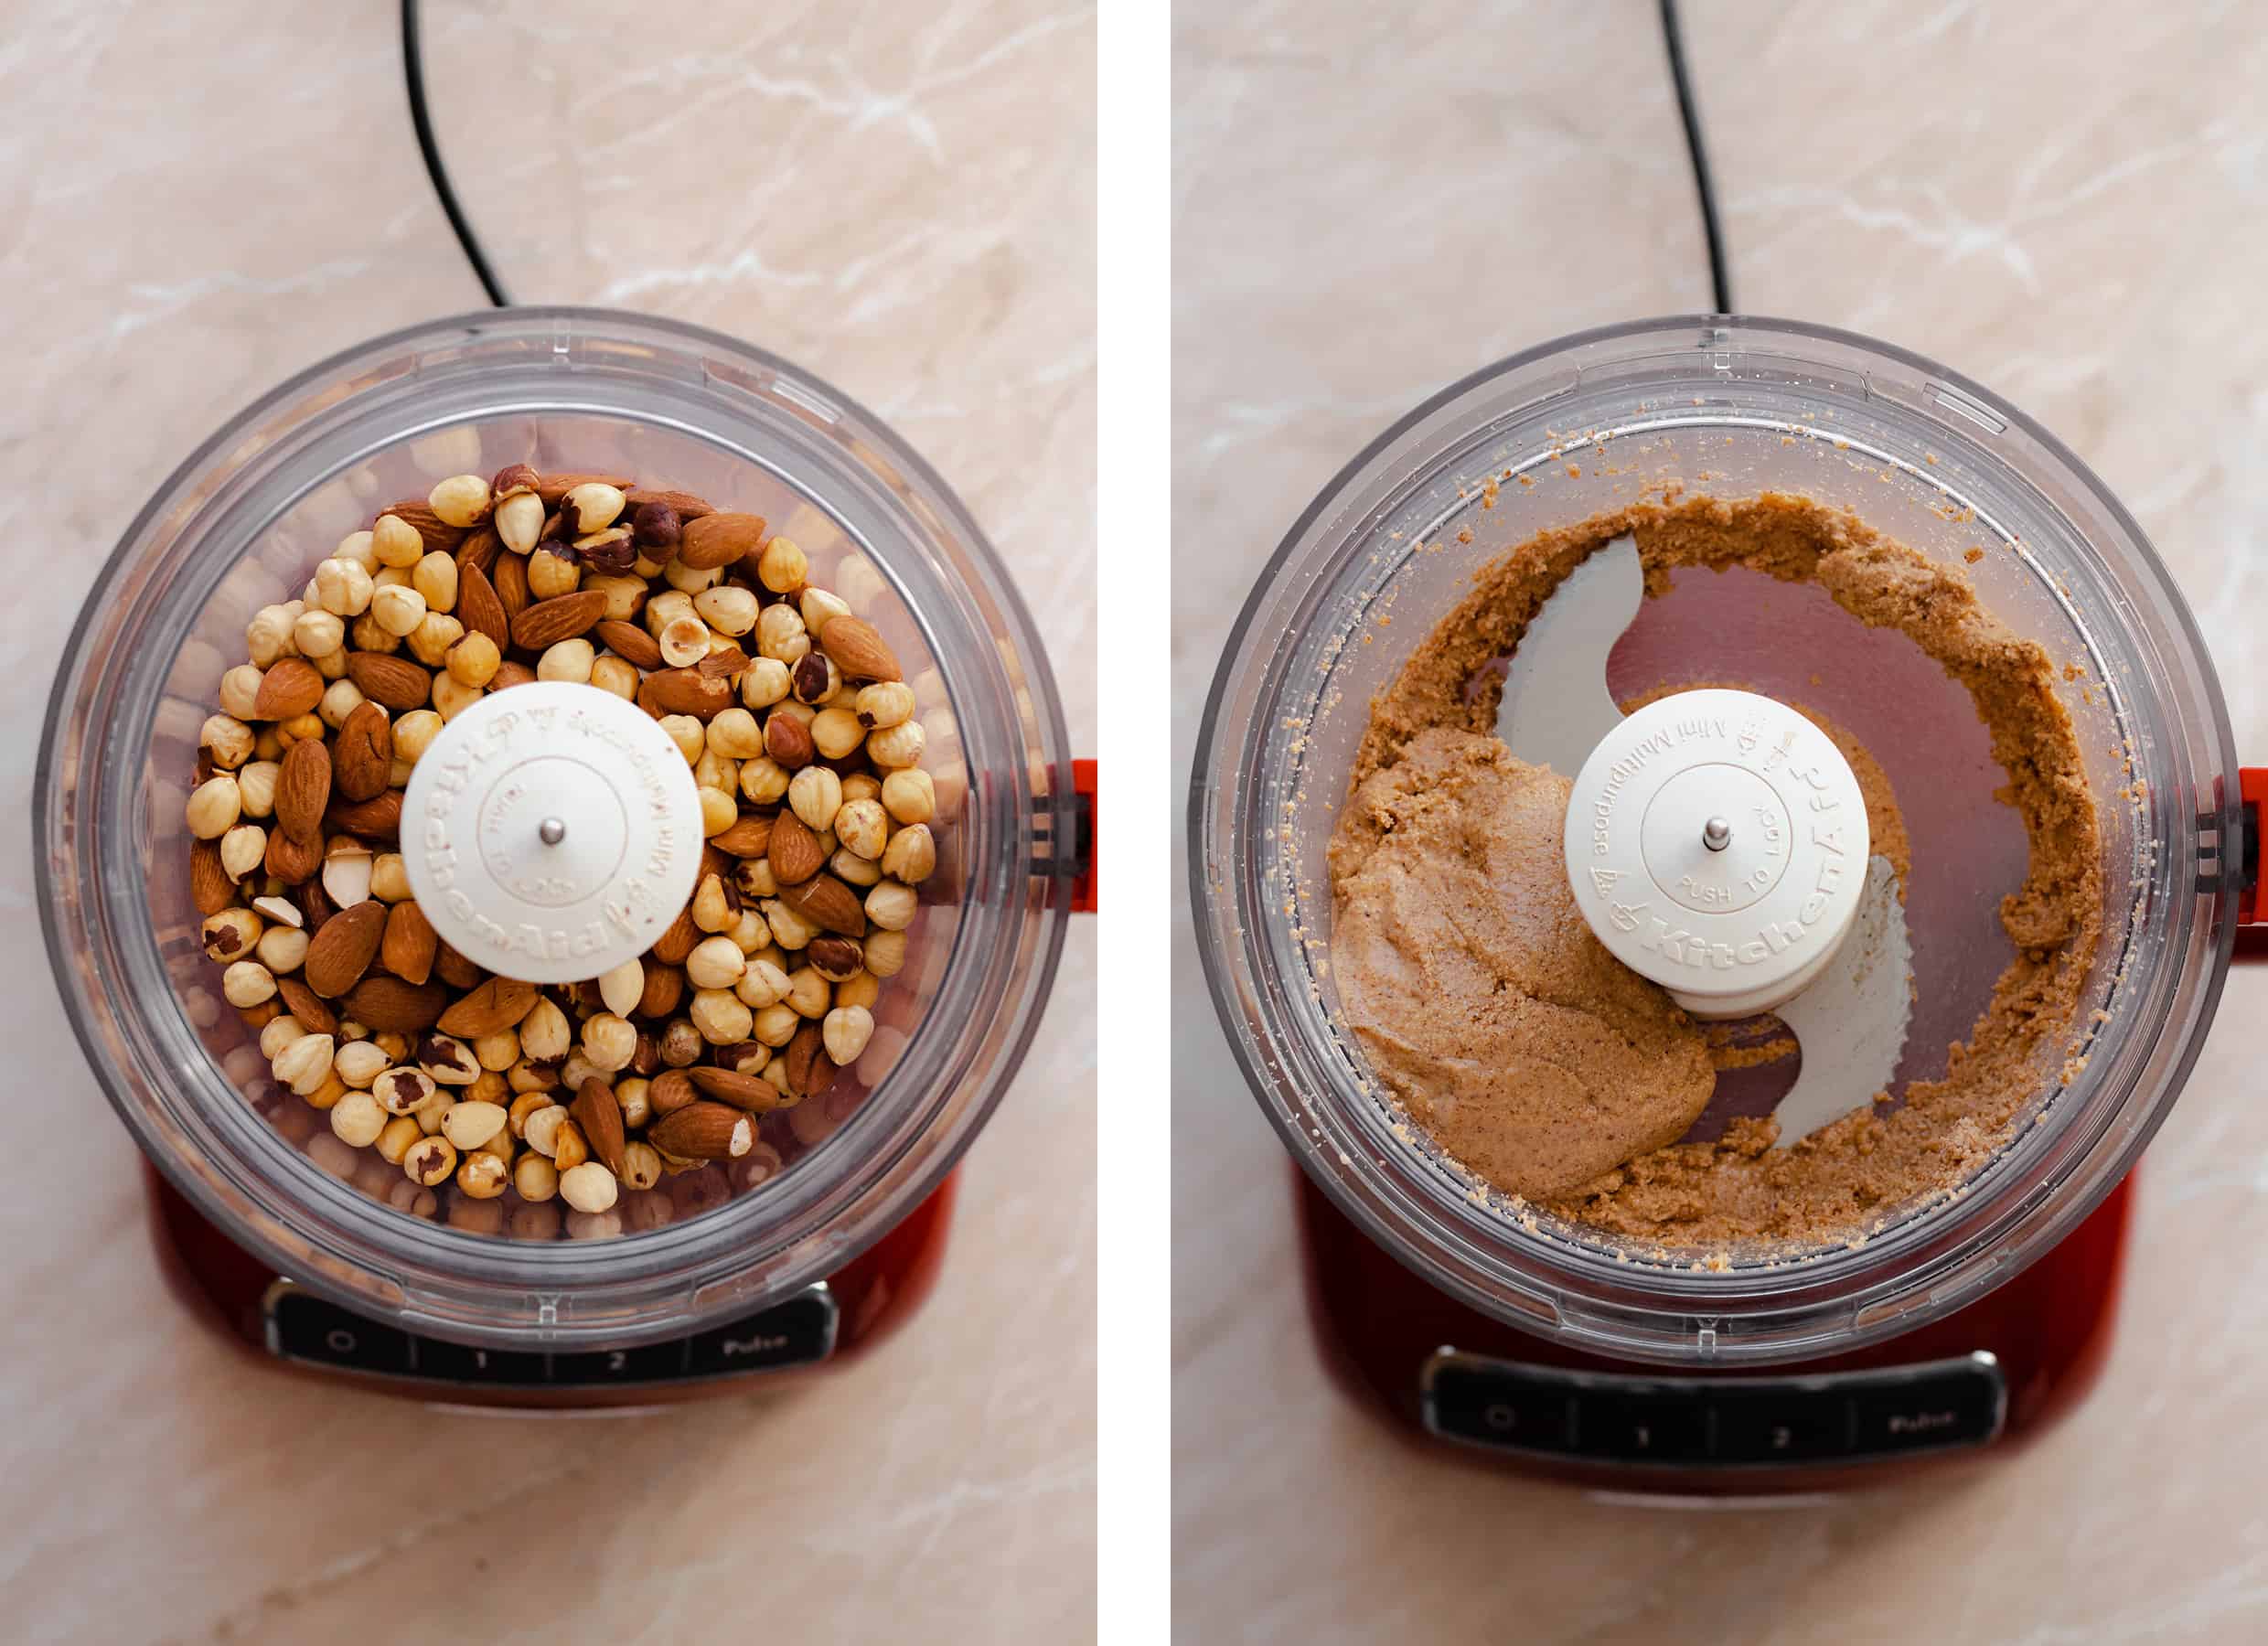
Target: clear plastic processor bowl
1732	408
241	525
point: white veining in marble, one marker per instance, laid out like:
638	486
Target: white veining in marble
194	202
2063	201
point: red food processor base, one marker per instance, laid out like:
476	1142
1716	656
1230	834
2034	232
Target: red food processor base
274	1319
1989	1375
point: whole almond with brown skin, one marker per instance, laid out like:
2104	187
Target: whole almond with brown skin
723	664
315	904
306	1007
363	763
718	540
750	1091
596	1111
457	971
380	819
342	951
561	617
510	673
805	1064
437	532
478	609
210	886
687	506
383	1003
788	741
290	687
478	552
671	947
665	987
704	1131
509	578
857	647
411	943
496	1005
292	860
303	788
632	643
670	1091
397	683
825	901
795	853
689	691
552	487
747	838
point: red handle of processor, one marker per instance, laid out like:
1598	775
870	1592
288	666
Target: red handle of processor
2252	900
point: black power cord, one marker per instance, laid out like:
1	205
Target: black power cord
413	70
1720	282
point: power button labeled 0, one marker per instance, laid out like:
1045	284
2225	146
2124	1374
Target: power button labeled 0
306	1328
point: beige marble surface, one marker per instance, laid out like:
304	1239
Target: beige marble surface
2065	201
202	199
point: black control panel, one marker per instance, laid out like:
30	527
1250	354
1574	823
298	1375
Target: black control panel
1713	1423
317	1331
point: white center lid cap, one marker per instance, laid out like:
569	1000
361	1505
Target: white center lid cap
551	831
1717	843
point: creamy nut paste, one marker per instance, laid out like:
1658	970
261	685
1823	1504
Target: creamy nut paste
1541	1063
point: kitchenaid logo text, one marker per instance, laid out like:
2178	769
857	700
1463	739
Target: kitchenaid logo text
634	906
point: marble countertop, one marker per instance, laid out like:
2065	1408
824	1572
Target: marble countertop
202	200
2063	202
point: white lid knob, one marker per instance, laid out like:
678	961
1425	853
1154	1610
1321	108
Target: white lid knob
551	831
1718	844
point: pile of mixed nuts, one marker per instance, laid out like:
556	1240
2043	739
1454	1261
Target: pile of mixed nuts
802	736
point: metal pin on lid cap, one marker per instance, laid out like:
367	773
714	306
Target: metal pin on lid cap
551	831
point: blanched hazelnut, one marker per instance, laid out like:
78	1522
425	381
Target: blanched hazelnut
255	786
753	878
715	771
430	1117
765	681
269	635
339	699
612	674
359	1062
911	855
715	962
762	984
732	733
453	697
720	1016
883	704
609	1041
304	1064
228	741
488	1086
396	543
665	608
536	1178
540	1131
763	781
641	1165
473	660
247	983
820	607
808	992
318	633
279	1032
892	907
344	587
684	641
243	849
430	641
545	1034
790	930
588	1188
568	660
404	1090
357	1120
909	796
862	990
713	910
727	609
415	732
845	1032
398	1137
898	745
775	1025
863	828
389	878
518	521
719	812
782	567
780	636
551	576
836	733
282	949
214	806
594	505
461	500
851	869
815	794
483	1176
398	608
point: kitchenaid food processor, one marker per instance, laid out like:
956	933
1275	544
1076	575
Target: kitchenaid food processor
304	1250
1968	1316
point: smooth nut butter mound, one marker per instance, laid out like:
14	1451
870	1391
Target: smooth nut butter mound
1560	1077
1477	989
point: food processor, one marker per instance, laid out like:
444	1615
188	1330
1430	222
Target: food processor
292	1246
1967	1319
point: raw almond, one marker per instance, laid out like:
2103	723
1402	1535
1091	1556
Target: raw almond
687	691
671	947
456	971
596	1111
723	664
718	540
438	533
363	763
665	987
381	818
704	1131
210	886
747	838
291	860
805	1064
411	943
857	647
510	577
397	683
342	951
688	506
788	741
632	643
496	1005
383	1003
825	901
478	609
795	853
751	1092
552	487
478	552
670	1091
561	617
306	1007
315	906
303	788
291	686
